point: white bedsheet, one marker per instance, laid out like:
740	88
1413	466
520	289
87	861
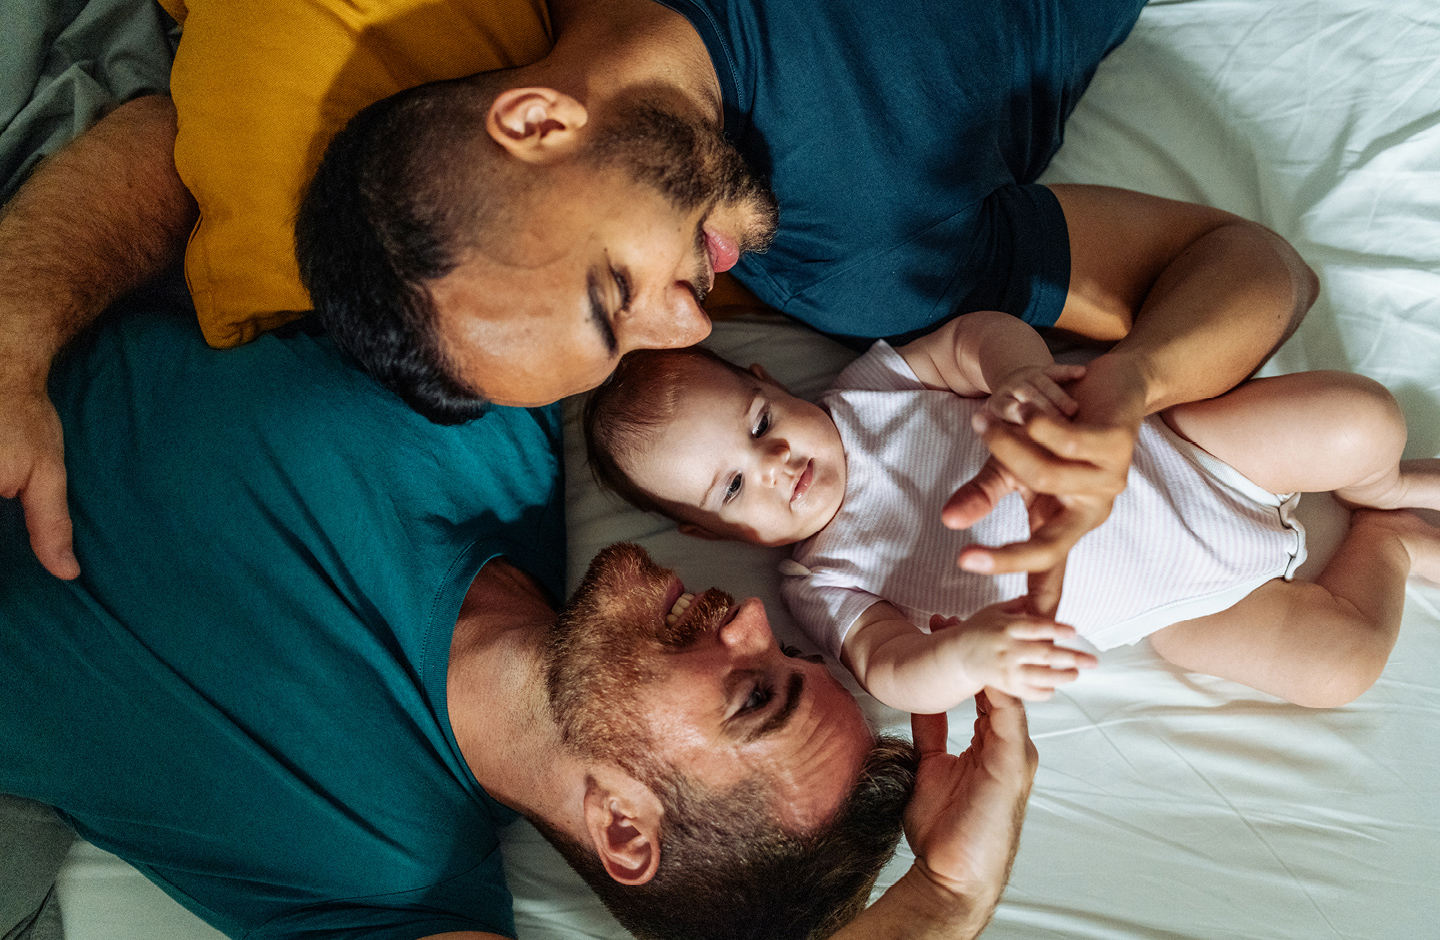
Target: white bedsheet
1167	805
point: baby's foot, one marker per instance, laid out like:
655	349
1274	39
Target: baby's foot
1420	539
1415	485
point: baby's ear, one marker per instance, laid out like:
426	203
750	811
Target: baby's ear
700	532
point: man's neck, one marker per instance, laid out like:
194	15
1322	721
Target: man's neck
610	48
495	693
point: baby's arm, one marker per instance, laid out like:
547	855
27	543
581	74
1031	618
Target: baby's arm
995	354
999	647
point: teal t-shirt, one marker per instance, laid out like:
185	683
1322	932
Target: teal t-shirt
244	693
903	139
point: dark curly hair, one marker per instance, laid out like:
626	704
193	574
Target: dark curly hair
729	871
383	216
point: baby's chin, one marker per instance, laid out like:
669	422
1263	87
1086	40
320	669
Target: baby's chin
803	532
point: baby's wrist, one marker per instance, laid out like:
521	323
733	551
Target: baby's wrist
955	656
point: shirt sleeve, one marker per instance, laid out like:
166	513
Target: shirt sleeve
1029	256
825	612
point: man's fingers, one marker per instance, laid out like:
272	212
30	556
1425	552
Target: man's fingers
1042	588
1110	447
47	517
1045	549
930	733
1004	717
1004	714
1033	555
974	501
1034	466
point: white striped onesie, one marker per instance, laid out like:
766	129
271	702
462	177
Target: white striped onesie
1189	536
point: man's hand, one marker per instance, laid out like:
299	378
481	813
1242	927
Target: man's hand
963	824
99	218
964	821
1196	297
32	468
1069	471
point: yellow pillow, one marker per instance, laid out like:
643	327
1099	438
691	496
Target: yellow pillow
261	86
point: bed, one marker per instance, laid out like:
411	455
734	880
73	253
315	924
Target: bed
1167	805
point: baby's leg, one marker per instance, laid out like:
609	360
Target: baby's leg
1312	432
1318	644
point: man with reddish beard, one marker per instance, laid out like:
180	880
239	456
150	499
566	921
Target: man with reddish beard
745	751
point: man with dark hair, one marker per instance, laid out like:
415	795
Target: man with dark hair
317	723
412	189
568	211
902	141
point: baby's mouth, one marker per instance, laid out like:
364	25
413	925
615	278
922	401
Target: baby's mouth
803	483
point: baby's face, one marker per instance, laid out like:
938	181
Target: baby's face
744	459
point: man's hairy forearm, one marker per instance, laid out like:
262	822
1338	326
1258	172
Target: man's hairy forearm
914	908
99	218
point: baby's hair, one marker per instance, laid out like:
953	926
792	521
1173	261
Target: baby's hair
638	399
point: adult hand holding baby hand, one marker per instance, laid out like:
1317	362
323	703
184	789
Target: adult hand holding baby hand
1033	390
1070	470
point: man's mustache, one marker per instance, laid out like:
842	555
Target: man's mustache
706	614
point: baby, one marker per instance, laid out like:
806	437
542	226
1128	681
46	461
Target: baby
1197	553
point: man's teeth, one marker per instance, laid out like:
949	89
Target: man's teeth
682	604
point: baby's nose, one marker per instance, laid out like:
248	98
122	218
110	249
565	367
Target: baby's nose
777	463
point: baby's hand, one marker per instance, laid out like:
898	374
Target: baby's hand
1034	390
1003	647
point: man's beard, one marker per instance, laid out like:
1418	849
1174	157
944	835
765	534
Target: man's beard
607	646
690	163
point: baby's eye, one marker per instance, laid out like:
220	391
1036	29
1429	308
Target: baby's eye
762	425
733	489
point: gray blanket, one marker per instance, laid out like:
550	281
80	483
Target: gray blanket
65	63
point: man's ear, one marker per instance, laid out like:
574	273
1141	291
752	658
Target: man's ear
622	817
536	125
700	532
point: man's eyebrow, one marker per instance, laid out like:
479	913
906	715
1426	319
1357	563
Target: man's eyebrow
597	311
782	715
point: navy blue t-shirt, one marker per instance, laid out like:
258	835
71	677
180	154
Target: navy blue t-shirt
244	693
902	139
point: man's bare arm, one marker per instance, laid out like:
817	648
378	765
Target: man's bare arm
1201	298
101	217
963	825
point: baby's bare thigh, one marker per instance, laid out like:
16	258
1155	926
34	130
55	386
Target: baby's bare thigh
1292	639
1306	432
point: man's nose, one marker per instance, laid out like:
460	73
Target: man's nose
677	322
749	631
